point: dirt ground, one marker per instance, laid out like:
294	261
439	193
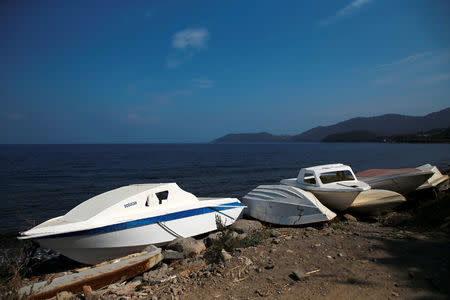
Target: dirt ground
385	257
356	260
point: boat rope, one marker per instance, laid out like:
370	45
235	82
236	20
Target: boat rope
164	226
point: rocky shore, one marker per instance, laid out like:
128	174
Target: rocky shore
398	255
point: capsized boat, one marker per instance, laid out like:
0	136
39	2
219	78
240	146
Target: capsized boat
403	181
127	219
335	185
373	202
436	180
285	205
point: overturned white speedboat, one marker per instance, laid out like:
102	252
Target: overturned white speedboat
335	185
403	181
285	205
127	219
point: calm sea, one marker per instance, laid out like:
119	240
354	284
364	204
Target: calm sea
38	182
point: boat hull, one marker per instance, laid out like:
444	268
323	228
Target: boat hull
285	205
401	183
336	200
285	213
374	202
95	246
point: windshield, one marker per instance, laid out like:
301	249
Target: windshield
335	176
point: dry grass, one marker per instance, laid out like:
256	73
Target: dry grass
16	264
228	242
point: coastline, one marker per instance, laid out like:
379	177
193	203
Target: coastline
398	254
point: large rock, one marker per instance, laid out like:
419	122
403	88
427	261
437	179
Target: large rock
188	246
156	275
246	226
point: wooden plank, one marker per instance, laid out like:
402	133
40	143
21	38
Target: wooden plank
96	277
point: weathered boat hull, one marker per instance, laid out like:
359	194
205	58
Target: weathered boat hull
96	277
375	202
400	183
437	180
336	200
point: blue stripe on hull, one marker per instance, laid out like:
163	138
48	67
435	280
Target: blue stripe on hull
147	221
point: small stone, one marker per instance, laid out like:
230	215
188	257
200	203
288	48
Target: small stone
275	233
299	274
276	241
270	265
395	294
127	289
310	229
340	254
261	293
173	255
137	278
414	272
349	217
329	257
207	274
224	255
156	275
64	296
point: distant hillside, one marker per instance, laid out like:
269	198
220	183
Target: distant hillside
262	137
357	129
441	135
385	125
352	137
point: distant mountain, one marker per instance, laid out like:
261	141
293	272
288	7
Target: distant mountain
385	125
358	136
357	129
441	135
262	137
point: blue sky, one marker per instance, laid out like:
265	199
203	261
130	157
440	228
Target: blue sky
192	71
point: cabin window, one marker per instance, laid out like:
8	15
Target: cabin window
309	178
162	196
335	176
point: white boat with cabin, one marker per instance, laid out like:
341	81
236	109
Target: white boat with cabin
127	219
285	205
335	185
